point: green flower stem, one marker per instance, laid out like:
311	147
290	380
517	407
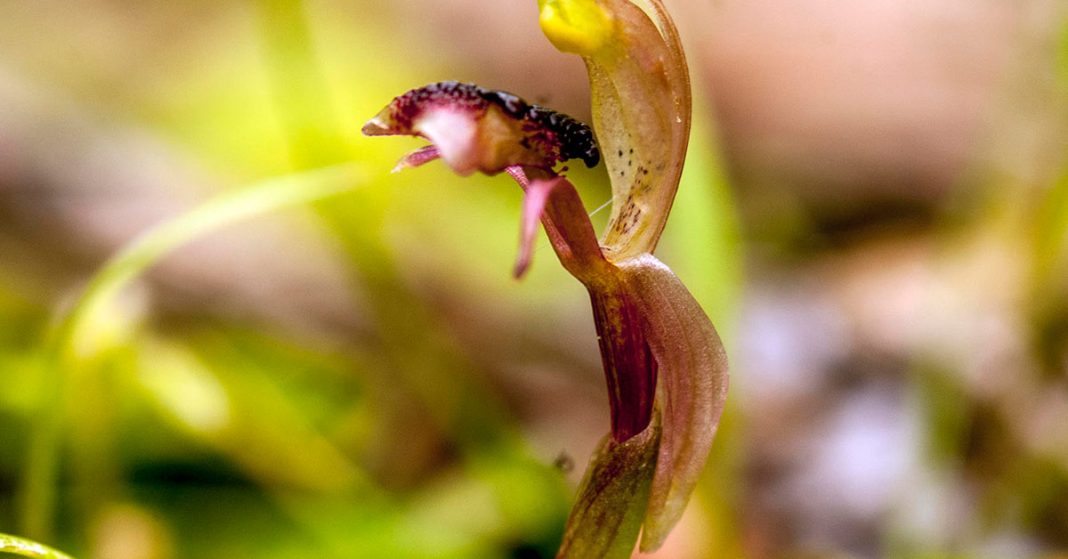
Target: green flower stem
27	548
66	347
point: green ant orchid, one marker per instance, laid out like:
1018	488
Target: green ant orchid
664	363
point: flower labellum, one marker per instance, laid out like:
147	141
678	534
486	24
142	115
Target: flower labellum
477	129
664	364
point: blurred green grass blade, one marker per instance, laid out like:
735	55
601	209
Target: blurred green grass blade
703	240
217	398
14	545
1051	232
71	340
147	249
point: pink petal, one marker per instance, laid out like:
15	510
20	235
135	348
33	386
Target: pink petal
566	223
537	195
416	158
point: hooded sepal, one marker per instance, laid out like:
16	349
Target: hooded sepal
640	88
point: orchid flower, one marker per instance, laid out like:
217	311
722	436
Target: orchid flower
664	363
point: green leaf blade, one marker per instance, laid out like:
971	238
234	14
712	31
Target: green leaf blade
23	547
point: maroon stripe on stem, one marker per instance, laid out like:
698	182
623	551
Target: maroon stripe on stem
629	367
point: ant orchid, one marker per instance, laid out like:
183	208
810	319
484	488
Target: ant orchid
664	363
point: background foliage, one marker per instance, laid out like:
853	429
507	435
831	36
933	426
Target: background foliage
874	212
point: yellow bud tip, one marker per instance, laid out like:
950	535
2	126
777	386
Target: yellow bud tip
577	26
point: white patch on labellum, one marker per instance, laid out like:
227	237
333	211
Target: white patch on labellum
454	132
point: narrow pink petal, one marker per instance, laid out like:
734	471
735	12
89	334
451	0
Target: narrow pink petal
566	223
693	388
534	200
416	158
519	175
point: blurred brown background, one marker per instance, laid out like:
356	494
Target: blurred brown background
875	214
